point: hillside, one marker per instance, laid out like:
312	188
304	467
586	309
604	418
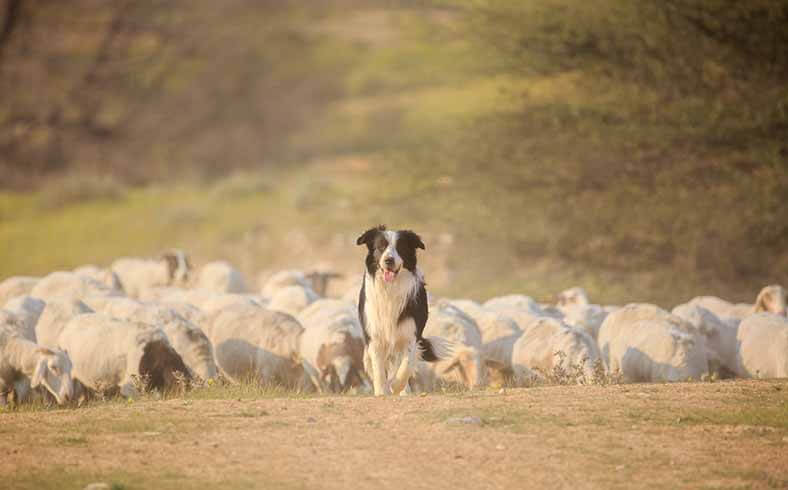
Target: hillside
636	149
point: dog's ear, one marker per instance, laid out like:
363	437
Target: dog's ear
413	238
369	235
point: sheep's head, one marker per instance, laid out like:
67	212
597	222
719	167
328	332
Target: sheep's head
178	266
771	299
341	364
469	365
53	371
573	296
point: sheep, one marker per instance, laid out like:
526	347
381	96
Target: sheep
64	284
221	277
332	345
282	279
646	343
292	299
56	314
11	322
573	296
186	338
136	275
109	354
549	345
464	364
522	309
499	333
250	342
351	295
763	346
25	365
27	309
585	317
104	276
770	299
319	280
719	336
16	286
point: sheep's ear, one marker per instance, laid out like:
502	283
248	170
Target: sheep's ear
39	374
760	303
369	235
412	238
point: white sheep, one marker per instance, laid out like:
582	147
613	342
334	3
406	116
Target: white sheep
499	333
549	345
104	276
109	353
252	343
221	277
585	317
27	309
54	318
763	346
16	286
771	299
25	364
292	299
522	309
646	343
136	274
282	279
186	338
719	336
64	284
456	330
320	279
332	345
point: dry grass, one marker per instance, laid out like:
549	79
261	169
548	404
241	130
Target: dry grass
699	435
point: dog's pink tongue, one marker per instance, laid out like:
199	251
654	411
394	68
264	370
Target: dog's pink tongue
388	276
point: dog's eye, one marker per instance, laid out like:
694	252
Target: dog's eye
382	245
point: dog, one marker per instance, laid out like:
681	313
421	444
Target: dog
393	309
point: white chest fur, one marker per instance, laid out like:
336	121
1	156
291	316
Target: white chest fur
383	305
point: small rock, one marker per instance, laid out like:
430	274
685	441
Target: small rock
502	391
468	420
311	420
97	486
151	434
620	467
423	394
785	439
500	447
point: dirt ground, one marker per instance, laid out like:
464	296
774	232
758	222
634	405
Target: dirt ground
699	435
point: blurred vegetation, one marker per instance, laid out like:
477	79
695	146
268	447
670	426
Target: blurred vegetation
637	148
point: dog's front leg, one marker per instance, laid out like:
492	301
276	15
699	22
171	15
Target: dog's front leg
377	359
405	371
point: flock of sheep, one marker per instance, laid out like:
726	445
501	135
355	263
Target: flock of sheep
157	323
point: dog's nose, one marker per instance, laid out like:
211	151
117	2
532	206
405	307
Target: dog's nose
389	261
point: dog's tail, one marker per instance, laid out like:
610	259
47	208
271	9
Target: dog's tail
433	349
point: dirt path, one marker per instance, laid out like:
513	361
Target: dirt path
720	435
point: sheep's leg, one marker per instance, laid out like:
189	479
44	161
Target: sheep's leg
314	376
405	371
377	361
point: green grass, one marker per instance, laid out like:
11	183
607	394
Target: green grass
537	146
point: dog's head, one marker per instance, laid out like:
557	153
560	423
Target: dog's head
389	251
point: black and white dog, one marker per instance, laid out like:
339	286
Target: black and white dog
392	308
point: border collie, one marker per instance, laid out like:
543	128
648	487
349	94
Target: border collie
392	308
